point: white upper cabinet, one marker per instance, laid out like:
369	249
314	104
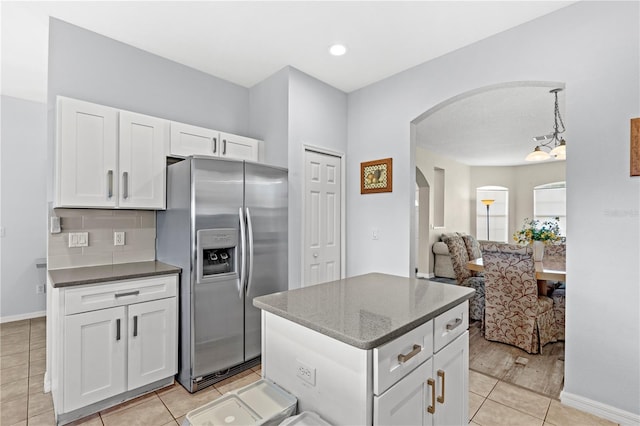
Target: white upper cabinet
86	158
240	147
108	158
142	161
189	140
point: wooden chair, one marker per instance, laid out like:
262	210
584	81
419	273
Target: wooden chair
514	312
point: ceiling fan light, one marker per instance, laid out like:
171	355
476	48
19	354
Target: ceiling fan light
560	151
537	155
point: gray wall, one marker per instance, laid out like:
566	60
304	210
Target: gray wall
594	47
24	207
318	118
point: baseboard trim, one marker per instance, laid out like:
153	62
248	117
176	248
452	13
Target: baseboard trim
599	409
21	317
423	275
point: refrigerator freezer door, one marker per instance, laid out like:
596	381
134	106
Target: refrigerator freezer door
266	193
217	317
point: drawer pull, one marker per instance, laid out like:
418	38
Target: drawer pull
404	358
135	325
432	408
118	329
128	293
441	397
454	324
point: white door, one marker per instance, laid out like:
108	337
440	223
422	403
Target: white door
86	154
152	333
322	218
189	140
406	402
451	372
95	356
238	147
142	161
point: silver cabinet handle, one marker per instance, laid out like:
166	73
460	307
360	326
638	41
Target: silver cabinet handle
454	324
441	397
135	325
215	145
118	329
109	183
243	252
125	185
406	357
250	238
128	293
224	147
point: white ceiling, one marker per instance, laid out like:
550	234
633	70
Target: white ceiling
246	42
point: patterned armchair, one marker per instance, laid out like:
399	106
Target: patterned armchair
514	312
459	258
558	296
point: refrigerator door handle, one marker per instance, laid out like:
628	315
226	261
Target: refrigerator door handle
243	252
250	240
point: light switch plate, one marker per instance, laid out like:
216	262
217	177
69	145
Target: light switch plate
78	239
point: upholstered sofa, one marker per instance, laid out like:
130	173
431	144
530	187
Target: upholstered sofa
442	266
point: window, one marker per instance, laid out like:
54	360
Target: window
498	213
549	202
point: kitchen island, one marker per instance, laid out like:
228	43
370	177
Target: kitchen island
372	349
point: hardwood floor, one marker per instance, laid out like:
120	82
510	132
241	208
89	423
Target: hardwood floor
542	373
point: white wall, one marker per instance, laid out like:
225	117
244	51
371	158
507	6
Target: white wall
520	180
594	47
23	169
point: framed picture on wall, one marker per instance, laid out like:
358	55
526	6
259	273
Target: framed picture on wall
635	147
376	176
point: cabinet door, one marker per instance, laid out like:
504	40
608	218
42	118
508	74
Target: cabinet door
451	372
239	147
189	140
153	347
86	155
94	356
142	161
406	402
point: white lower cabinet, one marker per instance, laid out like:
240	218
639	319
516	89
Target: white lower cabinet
419	378
95	357
116	338
435	393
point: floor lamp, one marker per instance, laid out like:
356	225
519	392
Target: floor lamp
487	203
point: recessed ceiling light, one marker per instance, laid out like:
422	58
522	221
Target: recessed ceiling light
337	50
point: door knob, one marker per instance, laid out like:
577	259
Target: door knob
315	254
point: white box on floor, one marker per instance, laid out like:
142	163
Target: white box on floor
306	418
261	403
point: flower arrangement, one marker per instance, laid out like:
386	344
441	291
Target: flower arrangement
532	230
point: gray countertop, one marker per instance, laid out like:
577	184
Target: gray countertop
365	311
97	274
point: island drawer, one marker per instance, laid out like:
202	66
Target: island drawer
449	325
394	360
119	293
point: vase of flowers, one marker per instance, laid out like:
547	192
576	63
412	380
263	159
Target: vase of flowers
538	234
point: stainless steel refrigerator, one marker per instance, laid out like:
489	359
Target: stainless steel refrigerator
226	226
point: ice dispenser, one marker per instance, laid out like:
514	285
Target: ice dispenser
216	253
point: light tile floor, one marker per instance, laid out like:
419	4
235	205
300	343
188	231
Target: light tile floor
22	402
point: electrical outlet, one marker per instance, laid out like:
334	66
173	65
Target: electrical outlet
118	238
40	289
306	373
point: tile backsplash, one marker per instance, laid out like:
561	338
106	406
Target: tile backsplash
140	237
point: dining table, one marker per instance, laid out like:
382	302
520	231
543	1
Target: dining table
551	268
